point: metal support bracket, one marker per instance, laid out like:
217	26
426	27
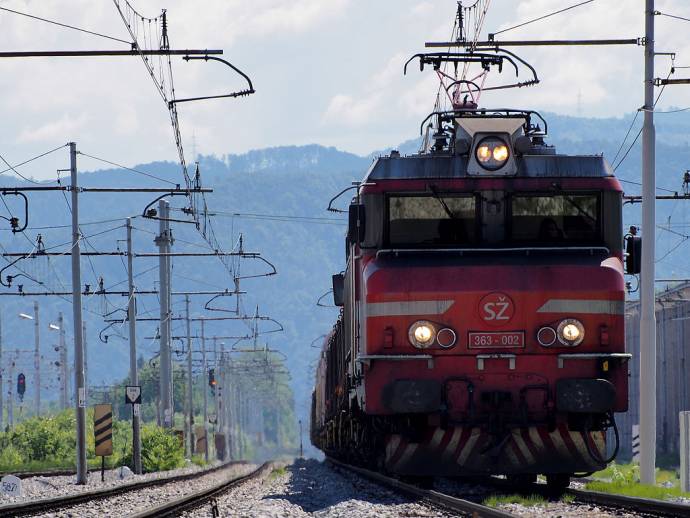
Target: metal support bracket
241	93
482	357
622	357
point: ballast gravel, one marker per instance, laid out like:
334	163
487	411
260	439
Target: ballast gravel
142	499
310	488
34	488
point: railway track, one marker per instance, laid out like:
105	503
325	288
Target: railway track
199	498
643	506
45	505
435	498
633	505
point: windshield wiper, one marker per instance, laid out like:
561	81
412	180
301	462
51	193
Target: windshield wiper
447	210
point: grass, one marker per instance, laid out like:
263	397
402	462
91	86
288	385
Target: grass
636	489
530	500
277	473
199	460
624	479
527	501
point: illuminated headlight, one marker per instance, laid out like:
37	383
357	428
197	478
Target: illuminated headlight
422	334
492	153
570	332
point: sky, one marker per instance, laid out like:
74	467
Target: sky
325	72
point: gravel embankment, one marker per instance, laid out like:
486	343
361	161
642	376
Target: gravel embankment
310	488
546	508
139	500
34	488
564	510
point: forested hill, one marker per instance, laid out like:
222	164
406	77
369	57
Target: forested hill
276	197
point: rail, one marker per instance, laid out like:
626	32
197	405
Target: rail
435	498
45	505
175	507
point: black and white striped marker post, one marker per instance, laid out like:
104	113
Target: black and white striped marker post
103	432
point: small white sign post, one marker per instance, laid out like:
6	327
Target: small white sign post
133	393
11	485
636	443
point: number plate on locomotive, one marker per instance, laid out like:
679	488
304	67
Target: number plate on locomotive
504	339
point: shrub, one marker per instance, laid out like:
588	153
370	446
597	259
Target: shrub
160	449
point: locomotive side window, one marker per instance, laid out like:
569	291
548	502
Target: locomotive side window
431	220
558	220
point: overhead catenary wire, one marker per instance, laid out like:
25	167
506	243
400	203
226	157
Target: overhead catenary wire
543	17
659	13
13	168
84	224
277	217
66	26
615	168
17	172
127	168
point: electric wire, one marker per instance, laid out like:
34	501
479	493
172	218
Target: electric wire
658	13
627	134
127	168
86	223
53	22
12	168
543	17
615	168
18	173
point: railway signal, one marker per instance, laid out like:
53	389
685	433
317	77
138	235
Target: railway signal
21	386
212	378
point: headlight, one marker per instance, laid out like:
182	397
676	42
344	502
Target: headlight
571	332
422	334
492	153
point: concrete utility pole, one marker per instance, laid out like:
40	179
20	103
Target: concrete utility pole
647	302
64	370
225	400
216	389
190	399
80	390
86	362
2	387
163	241
37	362
133	373
205	387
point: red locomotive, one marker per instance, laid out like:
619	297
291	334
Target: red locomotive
482	322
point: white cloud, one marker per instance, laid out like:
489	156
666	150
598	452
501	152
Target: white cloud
327	71
346	110
55	131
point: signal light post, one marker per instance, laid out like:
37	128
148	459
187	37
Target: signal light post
10	395
21	385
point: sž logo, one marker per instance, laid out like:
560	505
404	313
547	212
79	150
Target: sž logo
496	308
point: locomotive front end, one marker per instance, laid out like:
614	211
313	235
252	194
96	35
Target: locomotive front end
487	286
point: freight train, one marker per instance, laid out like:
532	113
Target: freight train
482	325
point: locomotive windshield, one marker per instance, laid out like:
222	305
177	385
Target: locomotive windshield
494	220
556	220
438	220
